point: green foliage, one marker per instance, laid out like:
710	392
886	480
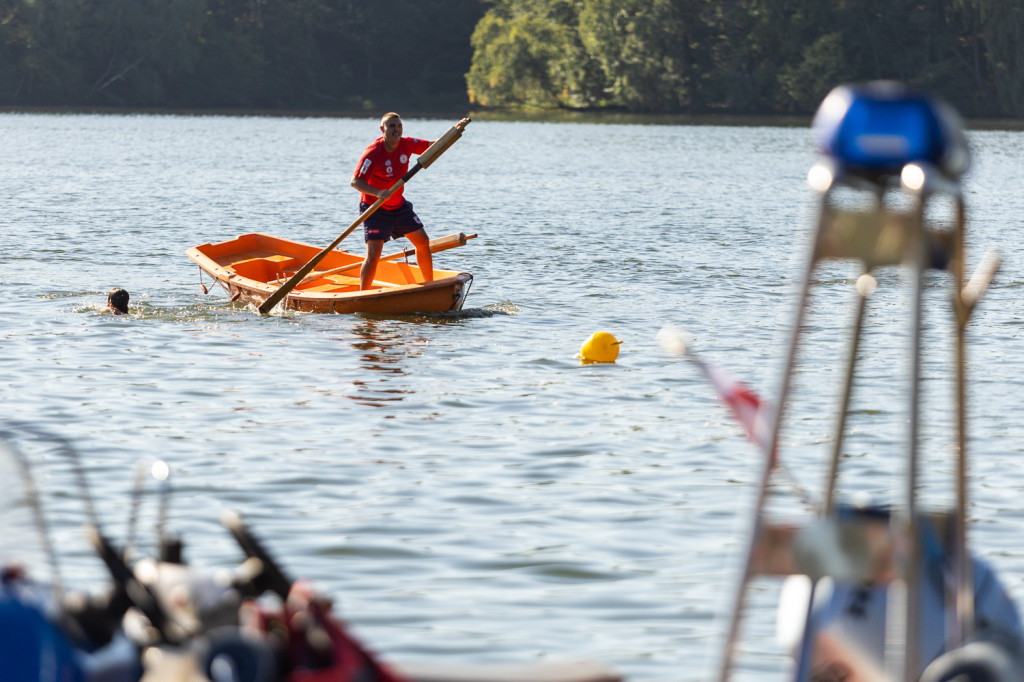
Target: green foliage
37	43
688	56
130	48
273	54
524	52
744	56
994	49
514	60
803	85
640	46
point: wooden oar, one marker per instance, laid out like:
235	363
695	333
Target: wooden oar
439	244
428	157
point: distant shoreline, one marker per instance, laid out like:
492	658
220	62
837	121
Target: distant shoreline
539	116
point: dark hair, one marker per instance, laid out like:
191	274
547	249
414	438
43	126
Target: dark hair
118	298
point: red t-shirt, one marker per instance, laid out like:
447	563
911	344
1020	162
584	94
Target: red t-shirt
382	168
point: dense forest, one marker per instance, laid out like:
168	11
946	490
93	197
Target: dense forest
644	56
240	54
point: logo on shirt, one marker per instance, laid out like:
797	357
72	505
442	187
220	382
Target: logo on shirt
365	167
404	158
387	167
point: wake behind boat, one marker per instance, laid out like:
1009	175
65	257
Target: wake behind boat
252	267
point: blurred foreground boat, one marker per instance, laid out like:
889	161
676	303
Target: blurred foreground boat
252	267
161	620
883	593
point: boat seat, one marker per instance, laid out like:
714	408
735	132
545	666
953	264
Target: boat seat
273	258
262	268
343	279
333	288
555	671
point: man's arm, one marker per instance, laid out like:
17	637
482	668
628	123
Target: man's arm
363	186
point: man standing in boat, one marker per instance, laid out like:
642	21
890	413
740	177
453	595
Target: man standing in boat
382	164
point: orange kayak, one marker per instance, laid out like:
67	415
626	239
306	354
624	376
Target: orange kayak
251	267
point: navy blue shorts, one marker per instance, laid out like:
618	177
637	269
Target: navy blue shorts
384	224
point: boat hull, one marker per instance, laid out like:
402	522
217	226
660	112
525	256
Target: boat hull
251	267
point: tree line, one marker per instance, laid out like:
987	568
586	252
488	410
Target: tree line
644	56
241	54
745	56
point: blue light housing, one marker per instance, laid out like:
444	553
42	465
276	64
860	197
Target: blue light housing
881	126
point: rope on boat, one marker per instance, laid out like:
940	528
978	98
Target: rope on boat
201	285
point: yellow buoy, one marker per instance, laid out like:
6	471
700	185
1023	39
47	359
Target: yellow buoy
600	347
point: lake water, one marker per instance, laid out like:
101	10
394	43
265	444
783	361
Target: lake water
460	484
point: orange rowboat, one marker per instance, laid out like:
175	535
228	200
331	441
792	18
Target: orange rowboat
253	266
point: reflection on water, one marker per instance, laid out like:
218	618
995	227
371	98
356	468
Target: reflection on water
384	351
385	348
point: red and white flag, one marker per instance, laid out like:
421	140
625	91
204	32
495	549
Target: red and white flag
745	404
751	412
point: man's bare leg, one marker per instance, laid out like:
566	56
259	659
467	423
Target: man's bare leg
424	258
369	268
